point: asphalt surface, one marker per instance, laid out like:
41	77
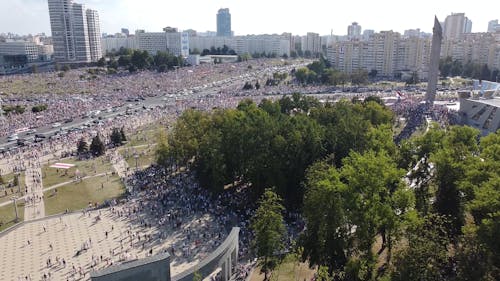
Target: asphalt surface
136	105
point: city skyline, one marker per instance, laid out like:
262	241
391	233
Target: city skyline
251	17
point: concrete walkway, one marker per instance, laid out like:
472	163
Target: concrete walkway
34	208
119	164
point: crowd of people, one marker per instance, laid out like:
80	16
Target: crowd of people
161	204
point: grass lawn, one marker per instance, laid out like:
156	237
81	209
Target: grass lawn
52	176
145	135
7	215
289	269
76	196
146	155
13	191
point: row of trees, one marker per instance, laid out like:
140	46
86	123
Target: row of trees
348	208
270	144
17	109
134	60
320	72
450	67
97	146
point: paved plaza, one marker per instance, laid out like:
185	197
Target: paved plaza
69	246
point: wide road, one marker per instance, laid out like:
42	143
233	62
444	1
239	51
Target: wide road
139	104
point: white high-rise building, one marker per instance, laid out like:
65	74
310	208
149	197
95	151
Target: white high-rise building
354	31
176	43
455	25
94	34
81	33
493	26
75	32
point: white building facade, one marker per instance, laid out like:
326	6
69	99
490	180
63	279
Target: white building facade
75	32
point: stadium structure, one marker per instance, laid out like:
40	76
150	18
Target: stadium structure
480	108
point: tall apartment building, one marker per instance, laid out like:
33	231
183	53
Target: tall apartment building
455	25
311	42
94	33
75	32
354	31
392	54
493	26
387	52
224	23
277	44
176	43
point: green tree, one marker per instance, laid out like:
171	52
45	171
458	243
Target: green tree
451	163
123	136
269	230
116	137
101	62
378	200
82	147
124	61
97	147
197	276
163	152
326	240
359	77
302	75
426	256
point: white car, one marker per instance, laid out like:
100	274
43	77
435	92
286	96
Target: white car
56	125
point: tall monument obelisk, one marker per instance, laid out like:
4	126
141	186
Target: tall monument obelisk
437	37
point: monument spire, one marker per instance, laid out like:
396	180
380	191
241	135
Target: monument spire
437	37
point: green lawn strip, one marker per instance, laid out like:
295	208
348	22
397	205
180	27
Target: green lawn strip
7	193
288	269
52	176
146	135
76	196
7	215
146	155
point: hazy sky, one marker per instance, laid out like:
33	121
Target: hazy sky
255	16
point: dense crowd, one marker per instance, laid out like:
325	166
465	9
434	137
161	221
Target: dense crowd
159	202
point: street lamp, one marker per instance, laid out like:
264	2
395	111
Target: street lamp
136	156
14	198
18	182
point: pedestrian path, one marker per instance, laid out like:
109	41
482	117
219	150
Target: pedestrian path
119	164
56	186
34	207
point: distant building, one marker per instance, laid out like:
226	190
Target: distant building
455	25
311	42
412	33
354	31
191	32
113	44
75	31
493	26
480	108
176	43
125	31
250	44
367	33
224	23
207	33
94	31
20	48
